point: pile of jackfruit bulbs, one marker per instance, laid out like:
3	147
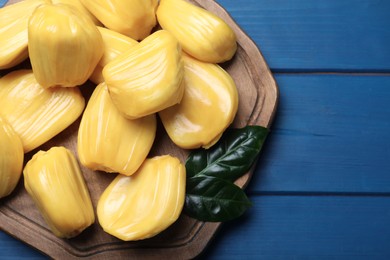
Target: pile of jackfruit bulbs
148	59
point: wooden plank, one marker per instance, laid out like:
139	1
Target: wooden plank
307	227
288	227
331	134
333	35
348	35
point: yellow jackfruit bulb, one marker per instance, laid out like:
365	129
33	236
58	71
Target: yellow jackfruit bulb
109	142
11	158
13	31
79	6
70	41
134	18
114	44
208	107
37	114
142	205
147	78
201	33
55	183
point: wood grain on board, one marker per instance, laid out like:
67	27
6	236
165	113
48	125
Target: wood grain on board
187	237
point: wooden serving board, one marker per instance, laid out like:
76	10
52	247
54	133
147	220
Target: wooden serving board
185	239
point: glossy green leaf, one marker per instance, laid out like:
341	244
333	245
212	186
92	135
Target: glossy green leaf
214	199
211	194
231	157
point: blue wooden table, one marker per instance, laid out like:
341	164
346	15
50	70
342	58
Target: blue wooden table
322	185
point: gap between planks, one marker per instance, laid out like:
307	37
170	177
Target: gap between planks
319	193
331	72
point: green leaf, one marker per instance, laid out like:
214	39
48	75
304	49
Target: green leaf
211	194
214	199
231	157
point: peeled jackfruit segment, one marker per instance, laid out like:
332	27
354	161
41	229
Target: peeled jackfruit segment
109	142
79	6
56	184
147	78
201	33
71	44
134	18
13	32
142	205
114	44
208	107
37	114
11	158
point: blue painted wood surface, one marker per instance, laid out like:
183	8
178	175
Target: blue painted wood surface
307	227
331	134
321	189
331	35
